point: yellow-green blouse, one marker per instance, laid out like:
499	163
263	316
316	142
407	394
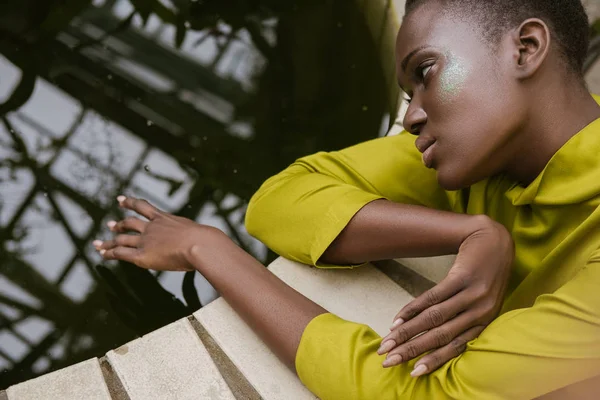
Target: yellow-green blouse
548	335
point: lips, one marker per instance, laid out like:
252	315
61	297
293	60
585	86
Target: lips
425	145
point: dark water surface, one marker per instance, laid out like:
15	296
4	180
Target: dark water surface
190	106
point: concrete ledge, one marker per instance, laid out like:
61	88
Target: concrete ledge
170	363
239	385
369	296
432	268
405	277
363	295
77	382
215	355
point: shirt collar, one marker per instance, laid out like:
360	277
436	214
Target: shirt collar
571	176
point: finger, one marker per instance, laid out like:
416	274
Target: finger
128	254
429	319
129	224
447	288
431	340
120	240
441	356
140	206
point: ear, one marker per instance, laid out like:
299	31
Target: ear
532	40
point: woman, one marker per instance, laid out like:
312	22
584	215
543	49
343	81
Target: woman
508	179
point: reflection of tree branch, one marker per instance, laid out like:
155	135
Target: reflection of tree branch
18	305
22	92
174	184
36	352
254	29
56	144
18	143
234	231
123	25
6	323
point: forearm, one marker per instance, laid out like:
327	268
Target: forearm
275	311
384	230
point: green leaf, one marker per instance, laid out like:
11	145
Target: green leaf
164	13
596	27
180	34
143	8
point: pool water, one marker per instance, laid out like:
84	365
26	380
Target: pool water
191	108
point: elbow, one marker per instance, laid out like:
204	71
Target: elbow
255	220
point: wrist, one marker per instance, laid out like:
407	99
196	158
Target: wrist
484	225
205	243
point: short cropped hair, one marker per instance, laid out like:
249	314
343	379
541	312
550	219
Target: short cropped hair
566	19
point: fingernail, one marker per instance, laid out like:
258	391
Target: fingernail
392	360
111	224
102	252
386	346
121	198
97	243
397	323
419	370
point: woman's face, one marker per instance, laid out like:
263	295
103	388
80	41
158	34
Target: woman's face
465	106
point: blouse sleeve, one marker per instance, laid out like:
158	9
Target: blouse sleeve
299	212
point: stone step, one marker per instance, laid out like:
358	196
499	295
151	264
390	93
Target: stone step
364	295
433	268
77	382
214	355
170	363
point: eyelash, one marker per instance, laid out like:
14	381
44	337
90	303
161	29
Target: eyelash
420	77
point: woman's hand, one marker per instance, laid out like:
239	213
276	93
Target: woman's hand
161	243
456	310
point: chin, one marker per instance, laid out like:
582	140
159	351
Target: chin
451	180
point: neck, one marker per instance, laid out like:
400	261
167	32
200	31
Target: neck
556	116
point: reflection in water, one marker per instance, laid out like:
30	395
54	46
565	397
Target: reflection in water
190	104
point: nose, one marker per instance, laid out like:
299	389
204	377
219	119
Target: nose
415	118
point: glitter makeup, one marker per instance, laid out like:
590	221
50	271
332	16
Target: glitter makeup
453	78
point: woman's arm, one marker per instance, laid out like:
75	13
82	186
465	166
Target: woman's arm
302	210
278	313
384	230
275	311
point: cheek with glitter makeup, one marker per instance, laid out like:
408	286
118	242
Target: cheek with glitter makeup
453	78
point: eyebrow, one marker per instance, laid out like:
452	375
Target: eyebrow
411	55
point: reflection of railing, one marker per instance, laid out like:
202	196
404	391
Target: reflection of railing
200	138
101	87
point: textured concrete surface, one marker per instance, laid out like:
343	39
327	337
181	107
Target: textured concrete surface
270	378
432	268
239	385
77	382
170	363
408	279
364	294
115	386
352	294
